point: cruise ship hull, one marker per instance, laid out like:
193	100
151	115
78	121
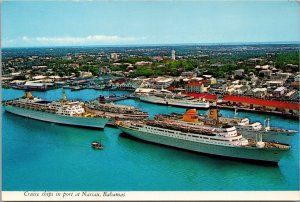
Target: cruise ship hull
174	102
270	156
98	123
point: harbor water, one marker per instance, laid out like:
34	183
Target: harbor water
41	156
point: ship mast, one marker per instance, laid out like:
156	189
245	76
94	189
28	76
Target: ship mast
64	99
267	124
235	112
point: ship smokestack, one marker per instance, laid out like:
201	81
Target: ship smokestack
214	114
190	115
28	95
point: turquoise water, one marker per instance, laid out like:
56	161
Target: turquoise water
43	156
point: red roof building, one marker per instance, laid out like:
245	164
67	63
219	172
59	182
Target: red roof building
295	83
262	102
194	87
194	83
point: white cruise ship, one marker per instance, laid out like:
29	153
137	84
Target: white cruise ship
116	112
221	141
250	129
61	112
167	98
243	125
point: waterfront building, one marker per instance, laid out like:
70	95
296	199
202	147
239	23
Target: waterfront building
271	105
39	86
195	87
259	92
162	83
85	74
280	91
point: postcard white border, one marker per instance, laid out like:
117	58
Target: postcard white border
154	196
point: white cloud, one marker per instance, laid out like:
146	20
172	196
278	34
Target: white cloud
91	39
25	38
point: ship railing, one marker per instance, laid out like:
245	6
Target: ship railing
172	125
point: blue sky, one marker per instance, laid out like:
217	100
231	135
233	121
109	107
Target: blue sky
54	23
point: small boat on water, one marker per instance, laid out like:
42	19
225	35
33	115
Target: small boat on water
97	145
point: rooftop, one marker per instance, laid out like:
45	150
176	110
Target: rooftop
263	102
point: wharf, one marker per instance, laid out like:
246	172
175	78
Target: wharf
117	98
286	115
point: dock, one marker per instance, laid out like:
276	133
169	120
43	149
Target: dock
253	110
113	98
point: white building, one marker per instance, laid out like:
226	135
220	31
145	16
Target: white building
280	91
297	78
114	56
85	74
142	63
195	87
274	83
162	83
239	72
259	92
173	55
39	77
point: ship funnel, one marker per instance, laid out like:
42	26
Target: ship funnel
213	114
28	95
190	115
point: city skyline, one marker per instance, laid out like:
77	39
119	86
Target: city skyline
38	24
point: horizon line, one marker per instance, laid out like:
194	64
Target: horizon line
167	44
